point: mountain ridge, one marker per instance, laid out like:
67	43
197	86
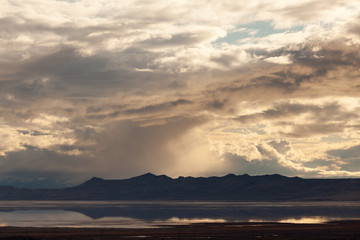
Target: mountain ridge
231	187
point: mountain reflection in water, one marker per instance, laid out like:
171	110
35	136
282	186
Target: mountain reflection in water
149	214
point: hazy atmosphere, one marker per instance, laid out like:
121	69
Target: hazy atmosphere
115	89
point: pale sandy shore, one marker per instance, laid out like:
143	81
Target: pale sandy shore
349	230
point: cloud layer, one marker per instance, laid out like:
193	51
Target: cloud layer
178	87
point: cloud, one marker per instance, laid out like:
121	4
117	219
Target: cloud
305	119
32	133
306	130
279	157
143	86
121	148
343	159
34	165
126	148
258	167
349	158
159	107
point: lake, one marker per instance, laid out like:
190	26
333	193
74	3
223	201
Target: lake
138	214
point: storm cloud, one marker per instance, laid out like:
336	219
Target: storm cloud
115	89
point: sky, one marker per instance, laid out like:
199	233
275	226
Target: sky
115	89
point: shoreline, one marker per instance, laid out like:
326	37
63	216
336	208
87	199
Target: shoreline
349	229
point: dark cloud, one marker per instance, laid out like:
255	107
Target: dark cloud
278	112
216	104
104	111
67	74
159	107
281	146
318	163
42	165
33	133
348	159
225	60
307	130
100	116
30	89
322	118
111	112
92	109
176	40
349	153
331	56
351	165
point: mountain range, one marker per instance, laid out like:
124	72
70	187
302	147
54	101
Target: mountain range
227	188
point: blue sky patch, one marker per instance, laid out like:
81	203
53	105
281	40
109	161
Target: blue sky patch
256	30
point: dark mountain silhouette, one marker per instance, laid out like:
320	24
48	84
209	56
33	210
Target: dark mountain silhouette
230	188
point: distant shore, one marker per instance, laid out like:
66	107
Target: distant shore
231	187
255	230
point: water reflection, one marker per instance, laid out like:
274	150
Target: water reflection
176	220
42	218
149	214
314	219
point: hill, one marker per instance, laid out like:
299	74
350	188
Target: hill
228	188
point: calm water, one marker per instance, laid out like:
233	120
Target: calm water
120	214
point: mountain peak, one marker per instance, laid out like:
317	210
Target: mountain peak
148	175
145	176
278	176
95	179
231	175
